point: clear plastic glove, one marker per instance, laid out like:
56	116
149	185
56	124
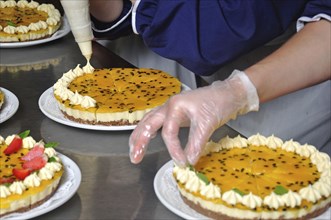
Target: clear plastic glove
204	110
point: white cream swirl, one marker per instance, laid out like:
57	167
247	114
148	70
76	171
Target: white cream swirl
33	4
34	26
78	70
231	197
32	180
193	183
310	194
10	29
274	142
17	187
323	188
240	142
226	143
182	174
76	99
28	142
45	173
52	21
251	201
211	191
4	191
22	3
273	201
54	166
88	68
50	152
305	150
291	199
257	140
210	147
22	29
88	102
9	139
10	3
2	140
291	146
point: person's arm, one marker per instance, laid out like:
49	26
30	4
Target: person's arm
106	10
303	61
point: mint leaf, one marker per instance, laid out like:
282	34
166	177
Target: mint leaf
280	190
51	144
24	134
52	159
10	23
238	191
202	177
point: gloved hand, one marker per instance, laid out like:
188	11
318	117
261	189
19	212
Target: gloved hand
204	110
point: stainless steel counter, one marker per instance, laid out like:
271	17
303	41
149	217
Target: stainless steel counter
111	187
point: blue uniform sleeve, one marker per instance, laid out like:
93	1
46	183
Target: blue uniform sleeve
204	35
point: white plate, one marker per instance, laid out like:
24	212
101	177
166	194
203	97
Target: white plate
69	185
10	105
166	190
63	31
49	107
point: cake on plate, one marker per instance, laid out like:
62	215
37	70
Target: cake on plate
257	178
30	172
27	20
115	96
2	98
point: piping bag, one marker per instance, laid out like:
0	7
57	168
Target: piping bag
77	12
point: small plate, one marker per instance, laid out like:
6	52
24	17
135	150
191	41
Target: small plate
61	32
69	185
9	107
166	190
49	107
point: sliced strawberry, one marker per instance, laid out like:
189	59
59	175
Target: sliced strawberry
21	173
6	180
36	163
36	151
14	146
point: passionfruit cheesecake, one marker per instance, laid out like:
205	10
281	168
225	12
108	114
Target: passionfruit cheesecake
115	96
30	172
27	20
257	178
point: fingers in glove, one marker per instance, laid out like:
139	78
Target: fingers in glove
202	127
144	132
177	115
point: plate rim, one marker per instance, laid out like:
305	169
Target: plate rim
68	164
12	101
61	32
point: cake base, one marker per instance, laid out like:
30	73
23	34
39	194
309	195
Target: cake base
220	216
110	123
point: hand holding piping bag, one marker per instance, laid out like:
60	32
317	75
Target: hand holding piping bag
78	16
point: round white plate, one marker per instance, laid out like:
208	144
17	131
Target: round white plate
63	31
49	107
69	185
166	190
10	105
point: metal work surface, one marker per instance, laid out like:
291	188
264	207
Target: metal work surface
111	187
